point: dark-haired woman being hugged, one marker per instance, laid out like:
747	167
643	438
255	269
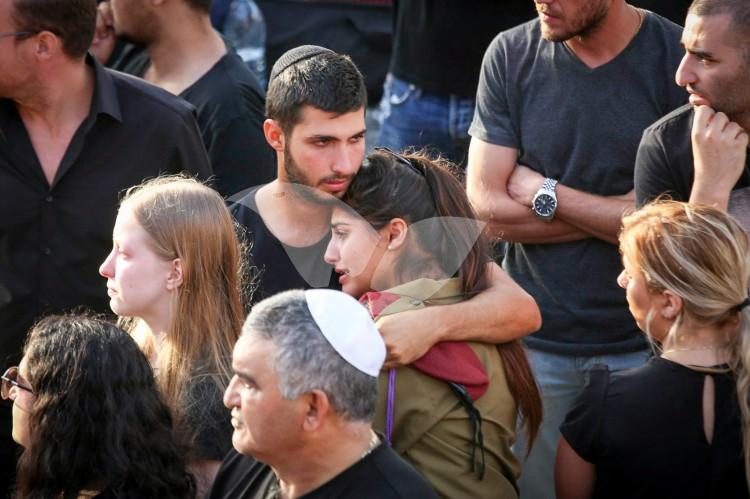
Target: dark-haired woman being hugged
407	238
174	277
90	419
676	426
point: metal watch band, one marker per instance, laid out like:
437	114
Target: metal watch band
549	184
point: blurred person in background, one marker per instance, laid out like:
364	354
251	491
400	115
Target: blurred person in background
429	93
174	46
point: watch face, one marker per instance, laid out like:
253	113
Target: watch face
544	205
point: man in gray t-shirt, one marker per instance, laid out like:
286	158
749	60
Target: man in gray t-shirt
561	106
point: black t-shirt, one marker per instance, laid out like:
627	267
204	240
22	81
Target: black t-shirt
277	266
379	475
438	46
643	429
230	108
207	420
664	164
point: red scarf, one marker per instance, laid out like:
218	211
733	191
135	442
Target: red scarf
448	361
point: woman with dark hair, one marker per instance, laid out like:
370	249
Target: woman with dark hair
90	418
408	238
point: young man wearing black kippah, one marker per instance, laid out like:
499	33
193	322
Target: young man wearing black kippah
315	105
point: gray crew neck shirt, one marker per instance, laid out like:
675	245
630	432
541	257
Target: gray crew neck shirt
582	127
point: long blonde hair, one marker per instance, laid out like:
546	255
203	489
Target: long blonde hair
702	255
188	220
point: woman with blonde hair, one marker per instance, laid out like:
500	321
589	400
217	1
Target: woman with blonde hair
676	426
173	277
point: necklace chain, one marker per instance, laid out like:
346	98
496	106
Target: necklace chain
374	442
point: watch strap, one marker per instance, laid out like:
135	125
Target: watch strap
549	184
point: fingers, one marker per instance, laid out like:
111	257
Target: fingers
702	118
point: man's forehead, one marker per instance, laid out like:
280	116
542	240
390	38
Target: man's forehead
706	30
250	349
314	121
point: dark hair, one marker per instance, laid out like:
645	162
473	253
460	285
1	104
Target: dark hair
73	21
327	81
98	420
200	5
386	188
739	18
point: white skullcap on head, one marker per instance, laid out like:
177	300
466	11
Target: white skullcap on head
349	329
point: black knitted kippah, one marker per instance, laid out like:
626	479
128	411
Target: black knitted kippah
295	55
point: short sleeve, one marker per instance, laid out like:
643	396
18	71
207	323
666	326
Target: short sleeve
492	121
582	425
653	176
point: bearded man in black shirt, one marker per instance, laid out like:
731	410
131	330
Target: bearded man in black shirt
698	152
73	135
176	48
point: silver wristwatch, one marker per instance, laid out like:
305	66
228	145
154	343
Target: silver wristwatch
544	203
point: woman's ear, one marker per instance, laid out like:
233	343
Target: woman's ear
671	305
174	280
396	232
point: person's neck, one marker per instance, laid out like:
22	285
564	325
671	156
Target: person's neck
324	459
187	48
152	330
293	219
58	102
699	346
607	40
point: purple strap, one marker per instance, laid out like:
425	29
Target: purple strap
389	407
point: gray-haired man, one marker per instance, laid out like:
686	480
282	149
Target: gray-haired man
302	401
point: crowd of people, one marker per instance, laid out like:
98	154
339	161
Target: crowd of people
534	285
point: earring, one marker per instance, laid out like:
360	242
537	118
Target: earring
390	247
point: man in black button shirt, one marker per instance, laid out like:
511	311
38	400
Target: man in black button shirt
73	135
178	50
303	399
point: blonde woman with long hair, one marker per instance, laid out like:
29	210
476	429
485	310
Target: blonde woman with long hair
678	426
173	277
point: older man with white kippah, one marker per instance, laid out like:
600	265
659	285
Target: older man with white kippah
302	400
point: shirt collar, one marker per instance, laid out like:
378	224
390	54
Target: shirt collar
105	99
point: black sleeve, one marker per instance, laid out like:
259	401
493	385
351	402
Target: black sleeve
189	154
653	175
582	425
240	155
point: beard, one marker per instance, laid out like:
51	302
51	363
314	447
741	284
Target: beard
303	185
583	22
